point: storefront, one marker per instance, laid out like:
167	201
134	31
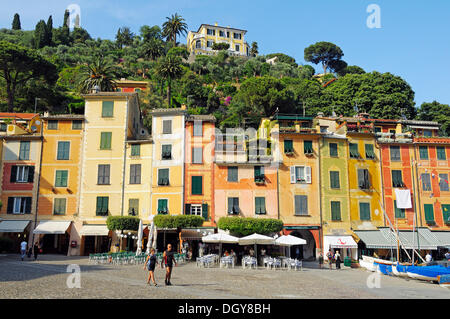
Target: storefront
53	236
17	231
192	240
95	239
345	244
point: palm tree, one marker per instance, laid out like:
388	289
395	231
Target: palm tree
153	49
174	26
254	49
169	69
99	73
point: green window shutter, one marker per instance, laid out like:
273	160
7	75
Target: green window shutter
107	108
163	176
205	211
63	150
135	149
301	205
77	125
133	206
423	152
354	153
334	179
395	153
399	212
166	151
364	211
52	125
397	180
260	205
24	153
335	211
162	206
307	146
288	146
333	149
198	128
135	173
105	140
441	153
363	179
233	205
61	178
59	206
446	213
429	215
167	126
369	151
197	187
232	173
102	206
197	155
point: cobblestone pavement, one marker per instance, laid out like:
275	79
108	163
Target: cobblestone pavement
47	278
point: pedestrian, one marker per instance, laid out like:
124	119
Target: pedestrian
251	252
337	257
447	255
428	257
320	260
168	259
330	258
36	250
151	263
23	249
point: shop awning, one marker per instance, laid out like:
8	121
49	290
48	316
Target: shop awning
341	241
52	227
442	236
419	239
374	239
94	230
195	233
13	226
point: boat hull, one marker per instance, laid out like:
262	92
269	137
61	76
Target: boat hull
444	281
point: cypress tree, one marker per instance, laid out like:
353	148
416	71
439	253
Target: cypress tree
16	22
66	19
49	31
40	34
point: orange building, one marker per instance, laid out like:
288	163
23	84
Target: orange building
130	86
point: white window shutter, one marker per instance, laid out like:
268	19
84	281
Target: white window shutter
308	174
292	174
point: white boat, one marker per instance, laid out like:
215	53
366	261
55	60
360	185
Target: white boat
398	273
367	264
420	277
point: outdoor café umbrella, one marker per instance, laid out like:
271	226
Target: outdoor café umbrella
150	235
220	238
139	240
289	241
256	239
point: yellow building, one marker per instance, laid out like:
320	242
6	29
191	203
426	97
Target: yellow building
201	42
112	178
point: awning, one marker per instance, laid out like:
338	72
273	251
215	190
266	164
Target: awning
13	226
442	236
52	227
424	127
419	239
340	241
94	230
374	239
195	233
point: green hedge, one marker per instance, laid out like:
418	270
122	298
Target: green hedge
122	223
6	244
181	221
246	226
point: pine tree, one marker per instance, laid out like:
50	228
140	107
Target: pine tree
16	22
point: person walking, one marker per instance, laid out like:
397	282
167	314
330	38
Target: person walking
330	258
320	260
23	249
447	255
337	257
168	259
35	250
151	263
428	258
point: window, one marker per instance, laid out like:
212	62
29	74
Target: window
162	206
237	36
52	125
135	149
307	147
446	213
426	182
443	182
22	174
24	151
370	154
237	47
260	205
288	147
61	178
77	125
105	140
167	126
233	205
301	205
209	44
392	131
198	44
397	180
198	128
429	214
423	152
197	185
133	206
335	211
166	152
427	133
135	173
59	206
300	174
211	31
334	179
63	150
3	127
102	206
194	209
228	34
377	129
364	211
103	174
197	155
363	179
232	173
395	153
163	176
333	149
440	150
107	108
399	212
19	205
354	153
259	174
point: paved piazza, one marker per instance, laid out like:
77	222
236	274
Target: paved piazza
47	278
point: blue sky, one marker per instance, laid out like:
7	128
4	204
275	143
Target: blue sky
413	41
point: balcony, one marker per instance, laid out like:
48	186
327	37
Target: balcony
360	128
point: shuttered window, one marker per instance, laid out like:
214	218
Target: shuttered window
399	212
232	173
107	108
443	182
397	180
205	214
135	149
77	125
52	125
133	206
446	213
233	205
364	211
167	126
19	205
105	140
198	128
429	214
24	151
260	205
59	206
102	206
166	152
288	146
440	150
354	153
197	185
423	152
61	178
163	176
333	149
334	179
363	179
162	206
63	150
370	154
259	174
197	155
307	147
22	174
395	153
426	182
135	173
300	174
335	211
301	205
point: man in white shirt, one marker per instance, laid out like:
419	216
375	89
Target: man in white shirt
428	258
23	249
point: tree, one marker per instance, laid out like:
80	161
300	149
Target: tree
169	69
152	49
351	69
49	31
18	65
174	26
80	35
66	22
326	53
254	49
281	57
438	112
40	35
16	22
124	36
220	46
100	73
182	52
150	33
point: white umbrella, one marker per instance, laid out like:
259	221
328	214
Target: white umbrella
256	239
150	235
139	240
220	238
289	241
